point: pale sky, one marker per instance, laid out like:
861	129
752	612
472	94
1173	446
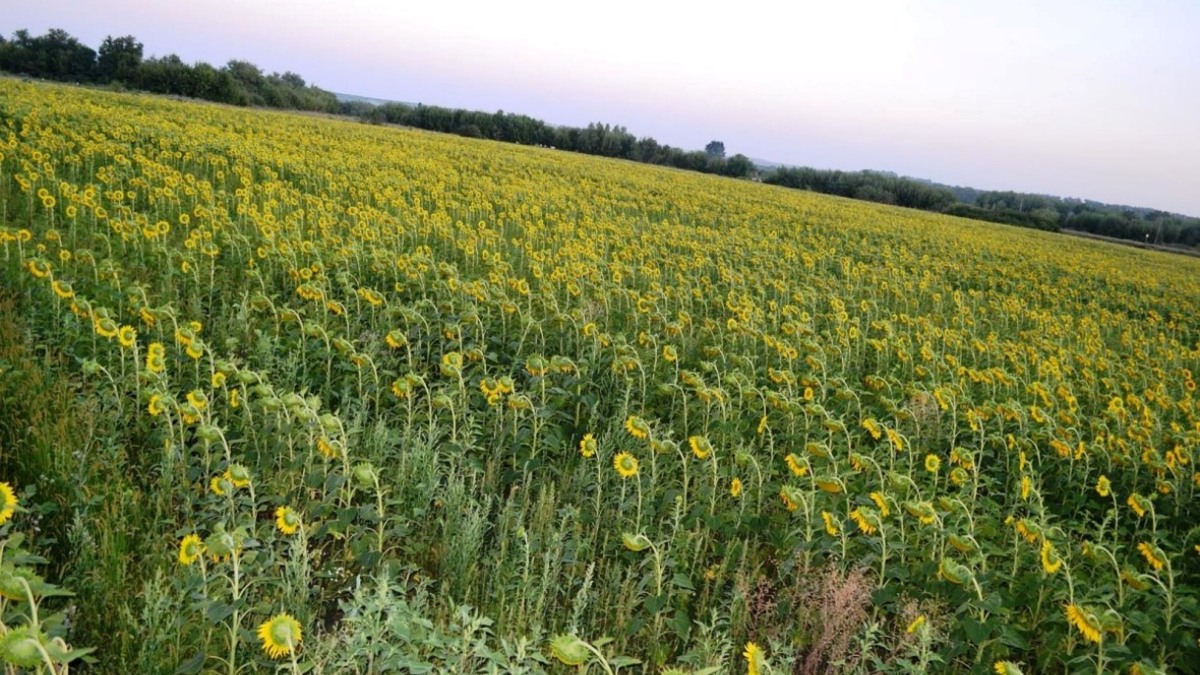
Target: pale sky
1081	98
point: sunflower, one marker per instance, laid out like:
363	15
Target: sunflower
932	463
637	427
105	327
190	549
220	485
8	502
873	428
922	511
287	520
155	406
280	635
829	484
865	524
155	357
735	487
626	465
396	339
881	504
1050	560
238	475
1085	621
796	465
701	447
326	446
1138	504
402	388
1026	487
195	349
754	658
197	399
126	336
1153	555
790	497
1103	486
587	446
831	525
1006	668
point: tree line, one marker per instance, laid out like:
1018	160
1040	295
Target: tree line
120	62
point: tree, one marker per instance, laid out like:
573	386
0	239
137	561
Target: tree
54	56
119	59
715	149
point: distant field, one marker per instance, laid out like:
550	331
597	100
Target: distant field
455	406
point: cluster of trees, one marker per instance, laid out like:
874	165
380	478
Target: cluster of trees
120	61
1041	212
595	139
874	186
1059	213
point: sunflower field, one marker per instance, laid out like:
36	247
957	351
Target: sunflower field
281	393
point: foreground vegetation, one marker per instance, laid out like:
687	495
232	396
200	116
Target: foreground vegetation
338	398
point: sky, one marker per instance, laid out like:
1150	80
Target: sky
1098	99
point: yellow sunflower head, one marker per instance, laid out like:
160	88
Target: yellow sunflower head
587	446
8	502
190	549
280	635
287	520
626	465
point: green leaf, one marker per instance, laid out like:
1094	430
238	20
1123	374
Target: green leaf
655	603
623	661
218	612
192	665
570	650
682	580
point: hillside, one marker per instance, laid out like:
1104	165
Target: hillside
291	392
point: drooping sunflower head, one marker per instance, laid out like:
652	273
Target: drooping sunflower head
626	465
1085	621
797	466
637	427
1051	563
1154	555
280	635
238	475
791	497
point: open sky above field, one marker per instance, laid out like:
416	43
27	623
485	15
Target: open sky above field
1074	97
